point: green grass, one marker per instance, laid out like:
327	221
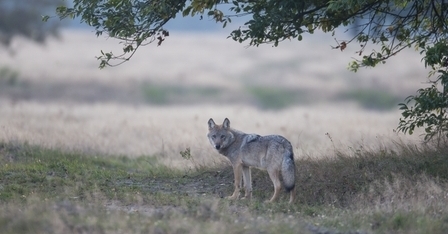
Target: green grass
276	98
262	97
265	97
8	76
175	94
28	170
383	191
373	99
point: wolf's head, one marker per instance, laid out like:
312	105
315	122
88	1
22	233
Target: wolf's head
220	136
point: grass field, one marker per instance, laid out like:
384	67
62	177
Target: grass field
49	191
99	151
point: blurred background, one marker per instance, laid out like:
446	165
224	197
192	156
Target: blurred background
52	92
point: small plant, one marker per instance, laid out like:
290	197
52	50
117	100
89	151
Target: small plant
186	154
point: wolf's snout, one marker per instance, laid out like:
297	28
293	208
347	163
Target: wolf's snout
217	147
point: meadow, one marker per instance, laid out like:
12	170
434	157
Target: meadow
124	149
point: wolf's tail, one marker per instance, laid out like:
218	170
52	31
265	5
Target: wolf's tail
288	170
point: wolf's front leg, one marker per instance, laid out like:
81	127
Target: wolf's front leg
237	172
247	183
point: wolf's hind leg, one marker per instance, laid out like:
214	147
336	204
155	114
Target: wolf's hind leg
275	177
292	195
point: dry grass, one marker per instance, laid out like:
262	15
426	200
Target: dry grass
165	131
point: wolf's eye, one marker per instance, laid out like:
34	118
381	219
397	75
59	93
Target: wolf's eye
213	137
223	137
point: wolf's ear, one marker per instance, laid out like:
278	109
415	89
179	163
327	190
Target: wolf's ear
211	123
226	123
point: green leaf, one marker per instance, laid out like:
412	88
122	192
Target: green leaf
45	18
187	11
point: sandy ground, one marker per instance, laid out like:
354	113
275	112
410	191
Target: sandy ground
103	124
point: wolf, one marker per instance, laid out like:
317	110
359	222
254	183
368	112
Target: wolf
273	153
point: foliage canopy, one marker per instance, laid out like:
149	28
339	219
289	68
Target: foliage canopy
392	24
20	18
388	25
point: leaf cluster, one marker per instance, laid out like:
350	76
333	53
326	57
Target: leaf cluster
429	107
391	24
134	22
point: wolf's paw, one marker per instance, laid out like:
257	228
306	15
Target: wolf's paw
232	197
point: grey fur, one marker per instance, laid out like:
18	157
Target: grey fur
273	153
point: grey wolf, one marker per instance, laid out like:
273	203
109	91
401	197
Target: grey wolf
273	153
